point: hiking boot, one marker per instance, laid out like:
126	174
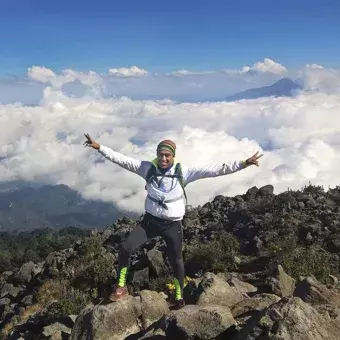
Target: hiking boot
118	293
178	304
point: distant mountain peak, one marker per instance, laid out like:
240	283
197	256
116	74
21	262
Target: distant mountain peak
284	87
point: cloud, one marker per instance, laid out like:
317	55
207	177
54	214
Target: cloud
41	74
269	65
319	79
124	72
300	137
183	73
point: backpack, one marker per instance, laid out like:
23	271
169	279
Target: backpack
152	173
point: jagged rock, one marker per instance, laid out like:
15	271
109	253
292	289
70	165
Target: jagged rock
55	331
10	290
281	283
24	275
153	307
198	322
312	291
114	321
251	193
243	287
256	303
265	190
293	319
37	269
140	277
27	300
213	290
120	319
156	262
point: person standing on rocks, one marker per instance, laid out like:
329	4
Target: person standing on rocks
165	205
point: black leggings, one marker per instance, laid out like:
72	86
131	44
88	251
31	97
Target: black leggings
150	226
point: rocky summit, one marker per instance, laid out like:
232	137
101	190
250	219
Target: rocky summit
259	266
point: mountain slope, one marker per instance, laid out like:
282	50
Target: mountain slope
29	208
282	88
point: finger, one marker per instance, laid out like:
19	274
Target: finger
259	156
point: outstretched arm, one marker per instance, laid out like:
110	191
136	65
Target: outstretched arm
128	163
195	173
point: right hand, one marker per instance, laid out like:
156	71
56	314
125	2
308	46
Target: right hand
90	142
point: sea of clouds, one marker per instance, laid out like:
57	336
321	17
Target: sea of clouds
44	117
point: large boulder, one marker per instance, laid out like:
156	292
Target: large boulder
24	275
312	291
153	306
281	283
214	290
254	304
121	319
293	319
198	322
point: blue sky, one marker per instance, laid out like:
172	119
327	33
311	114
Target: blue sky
164	36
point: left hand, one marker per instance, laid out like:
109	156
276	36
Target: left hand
253	160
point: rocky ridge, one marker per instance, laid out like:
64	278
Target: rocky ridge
261	266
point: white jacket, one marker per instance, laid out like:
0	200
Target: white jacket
169	188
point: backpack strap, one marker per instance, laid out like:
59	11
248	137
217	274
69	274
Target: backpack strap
152	173
179	173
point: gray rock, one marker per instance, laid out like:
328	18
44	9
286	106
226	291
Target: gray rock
156	262
312	291
153	307
27	300
24	275
243	287
140	277
265	190
281	283
198	322
55	330
114	321
293	319
256	303
213	290
10	290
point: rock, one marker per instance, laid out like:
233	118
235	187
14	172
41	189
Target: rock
293	319
213	290
265	190
250	194
256	303
198	322
140	277
114	321
37	269
281	283
301	205
153	305
241	286
27	300
156	262
55	330
312	291
10	290
24	275
121	319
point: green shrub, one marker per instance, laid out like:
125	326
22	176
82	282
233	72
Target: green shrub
300	260
215	256
95	267
61	298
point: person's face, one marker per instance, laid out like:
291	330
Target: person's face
164	158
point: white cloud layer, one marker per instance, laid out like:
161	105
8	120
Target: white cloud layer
133	71
300	137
